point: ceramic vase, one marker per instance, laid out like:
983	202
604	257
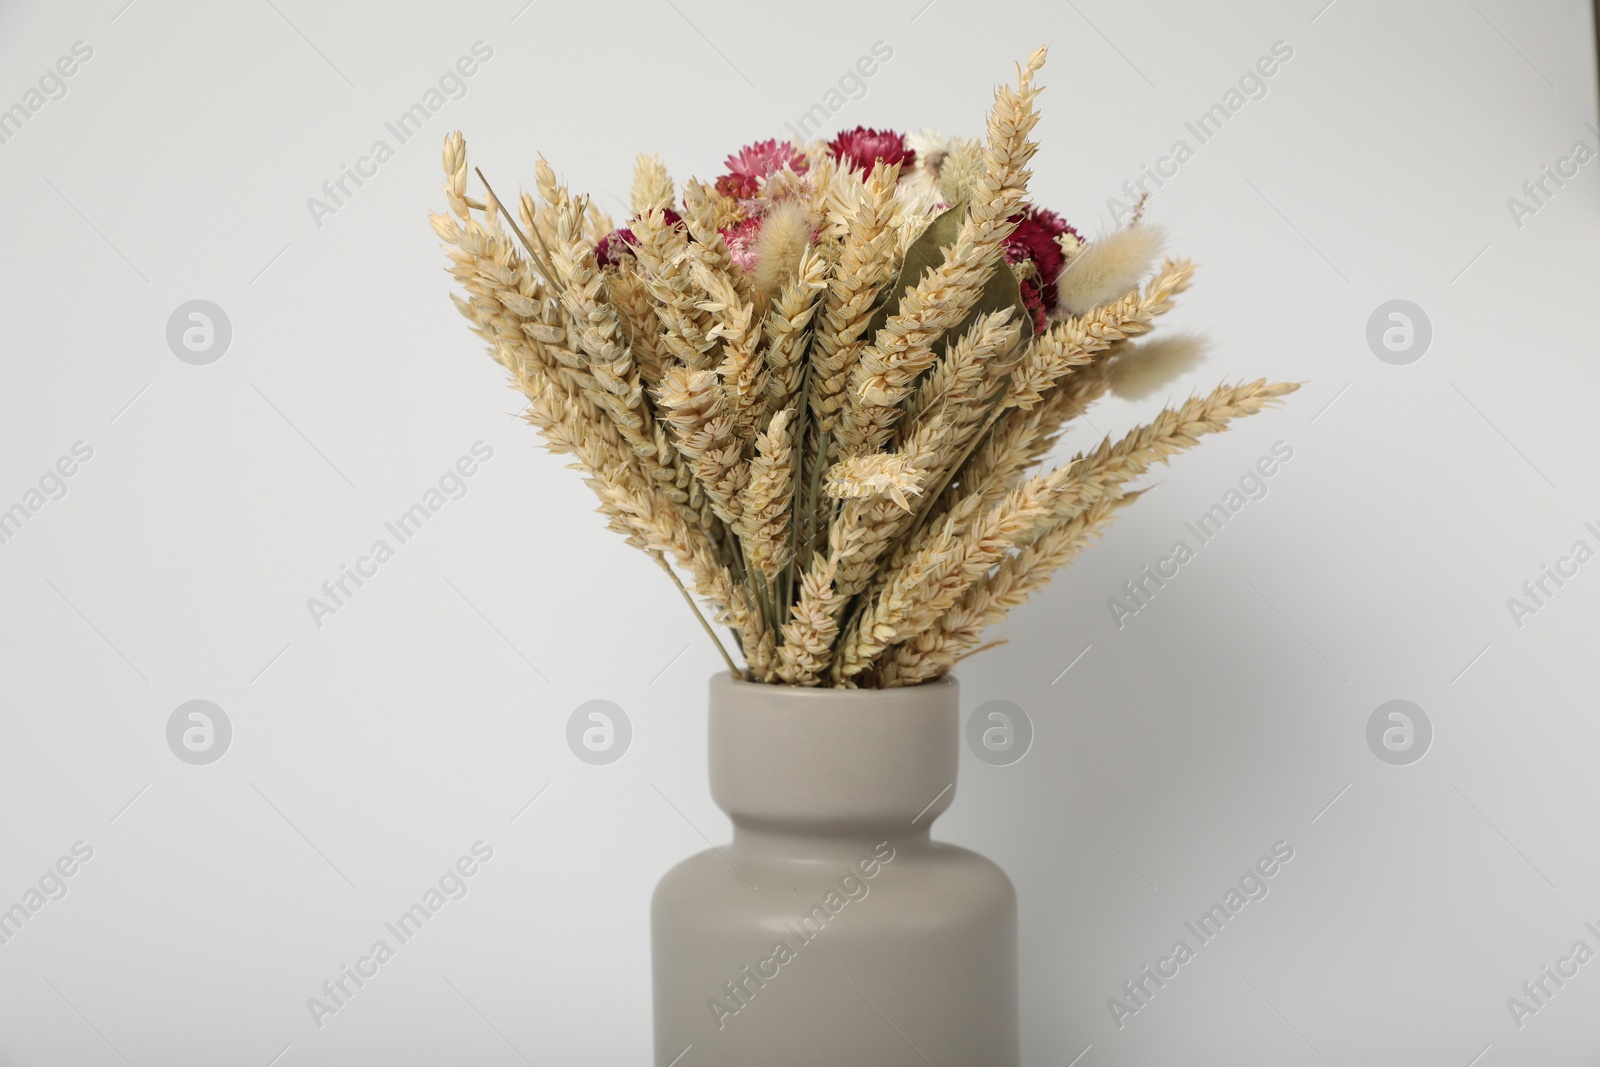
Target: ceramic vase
833	930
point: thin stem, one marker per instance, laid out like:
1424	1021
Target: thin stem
796	483
511	220
769	599
814	522
704	625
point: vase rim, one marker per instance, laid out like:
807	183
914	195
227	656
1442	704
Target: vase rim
823	692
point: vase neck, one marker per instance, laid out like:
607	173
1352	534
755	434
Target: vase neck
820	763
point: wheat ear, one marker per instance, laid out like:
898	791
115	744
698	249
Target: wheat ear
903	348
989	600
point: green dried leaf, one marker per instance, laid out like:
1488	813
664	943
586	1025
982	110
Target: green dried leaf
927	252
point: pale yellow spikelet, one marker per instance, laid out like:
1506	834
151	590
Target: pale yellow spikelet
736	325
863	531
931	654
541	223
705	432
652	185
763	524
788	329
786	185
1093	475
968	372
1107	268
907	225
927	586
595	327
455	173
630	504
809	634
963	163
846	471
839	201
628	294
903	348
945	419
875	474
701	207
924	589
760	654
866	263
820	183
551	191
536	233
667	271
1017	434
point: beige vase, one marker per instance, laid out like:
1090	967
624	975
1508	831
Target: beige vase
832	931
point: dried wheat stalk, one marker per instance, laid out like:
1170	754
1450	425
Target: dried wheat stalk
842	463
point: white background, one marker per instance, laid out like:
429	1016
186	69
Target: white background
369	753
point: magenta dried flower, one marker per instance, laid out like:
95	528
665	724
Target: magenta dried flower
754	164
1036	242
613	246
861	147
620	241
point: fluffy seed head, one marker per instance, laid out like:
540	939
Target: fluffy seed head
1108	268
784	237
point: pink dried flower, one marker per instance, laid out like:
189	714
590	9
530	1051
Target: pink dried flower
754	164
861	147
741	242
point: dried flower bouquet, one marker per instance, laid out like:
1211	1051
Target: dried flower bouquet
820	385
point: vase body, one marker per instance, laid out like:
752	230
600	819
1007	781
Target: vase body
832	931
